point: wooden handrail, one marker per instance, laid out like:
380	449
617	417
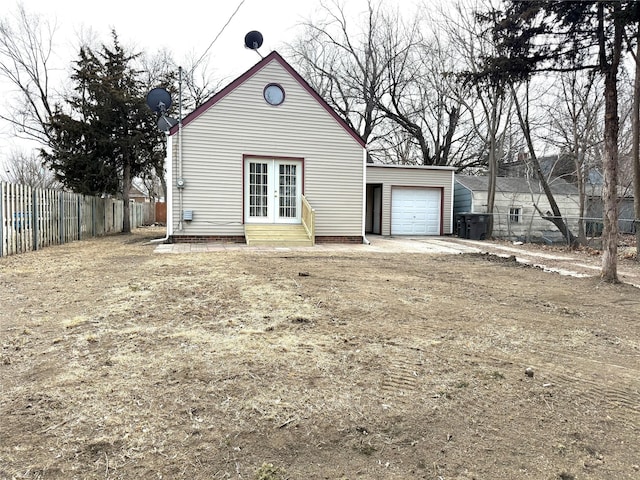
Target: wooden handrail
309	220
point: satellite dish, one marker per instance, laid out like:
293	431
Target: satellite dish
159	100
253	40
165	123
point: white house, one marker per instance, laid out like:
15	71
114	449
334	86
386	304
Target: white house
514	215
266	160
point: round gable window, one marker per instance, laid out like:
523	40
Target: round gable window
274	94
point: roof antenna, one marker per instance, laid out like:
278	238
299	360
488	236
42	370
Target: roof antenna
253	41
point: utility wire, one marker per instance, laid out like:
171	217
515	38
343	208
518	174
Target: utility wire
218	35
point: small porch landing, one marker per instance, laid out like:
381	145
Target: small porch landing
270	235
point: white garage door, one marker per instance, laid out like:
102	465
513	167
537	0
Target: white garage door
415	211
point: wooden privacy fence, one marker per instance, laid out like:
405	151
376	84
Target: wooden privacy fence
35	218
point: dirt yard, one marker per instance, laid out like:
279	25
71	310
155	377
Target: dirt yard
121	363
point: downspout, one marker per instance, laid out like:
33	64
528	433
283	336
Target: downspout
453	190
364	196
179	147
169	192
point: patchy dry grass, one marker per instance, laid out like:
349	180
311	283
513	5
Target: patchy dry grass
120	363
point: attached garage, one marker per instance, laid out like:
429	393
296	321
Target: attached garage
409	200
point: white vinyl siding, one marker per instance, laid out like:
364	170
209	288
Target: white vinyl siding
530	225
242	125
395	176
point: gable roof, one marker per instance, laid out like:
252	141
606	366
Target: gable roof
136	192
273	56
515	185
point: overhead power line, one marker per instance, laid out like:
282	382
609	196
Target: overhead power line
218	35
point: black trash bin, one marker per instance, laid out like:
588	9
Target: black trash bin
461	225
477	225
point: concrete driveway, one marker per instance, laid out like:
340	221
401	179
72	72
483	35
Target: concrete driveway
577	264
377	244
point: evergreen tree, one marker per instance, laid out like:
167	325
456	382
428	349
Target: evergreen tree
108	135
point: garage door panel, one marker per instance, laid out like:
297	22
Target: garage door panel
415	211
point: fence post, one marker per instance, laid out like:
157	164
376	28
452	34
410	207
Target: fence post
35	218
61	212
79	207
1	219
94	229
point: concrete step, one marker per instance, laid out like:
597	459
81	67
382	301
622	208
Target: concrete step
277	236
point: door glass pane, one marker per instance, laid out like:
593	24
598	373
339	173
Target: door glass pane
287	193
258	189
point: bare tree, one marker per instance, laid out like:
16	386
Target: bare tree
635	152
487	100
159	70
523	107
27	169
198	85
344	63
388	82
396	146
26	43
199	82
421	94
575	129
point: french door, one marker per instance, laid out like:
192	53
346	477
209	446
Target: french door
273	191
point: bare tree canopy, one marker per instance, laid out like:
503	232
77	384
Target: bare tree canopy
342	61
27	169
26	49
575	128
391	75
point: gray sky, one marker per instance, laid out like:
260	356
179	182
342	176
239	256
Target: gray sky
185	27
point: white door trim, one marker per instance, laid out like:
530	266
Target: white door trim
272	190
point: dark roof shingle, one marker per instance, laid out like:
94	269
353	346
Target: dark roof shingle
516	185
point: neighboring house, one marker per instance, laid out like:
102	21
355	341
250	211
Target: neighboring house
515	217
266	160
626	212
552	166
136	195
563	167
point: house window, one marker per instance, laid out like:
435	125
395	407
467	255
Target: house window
515	215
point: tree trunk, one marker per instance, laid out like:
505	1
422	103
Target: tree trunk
609	69
579	155
582	235
126	187
493	171
491	194
636	203
609	189
635	120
